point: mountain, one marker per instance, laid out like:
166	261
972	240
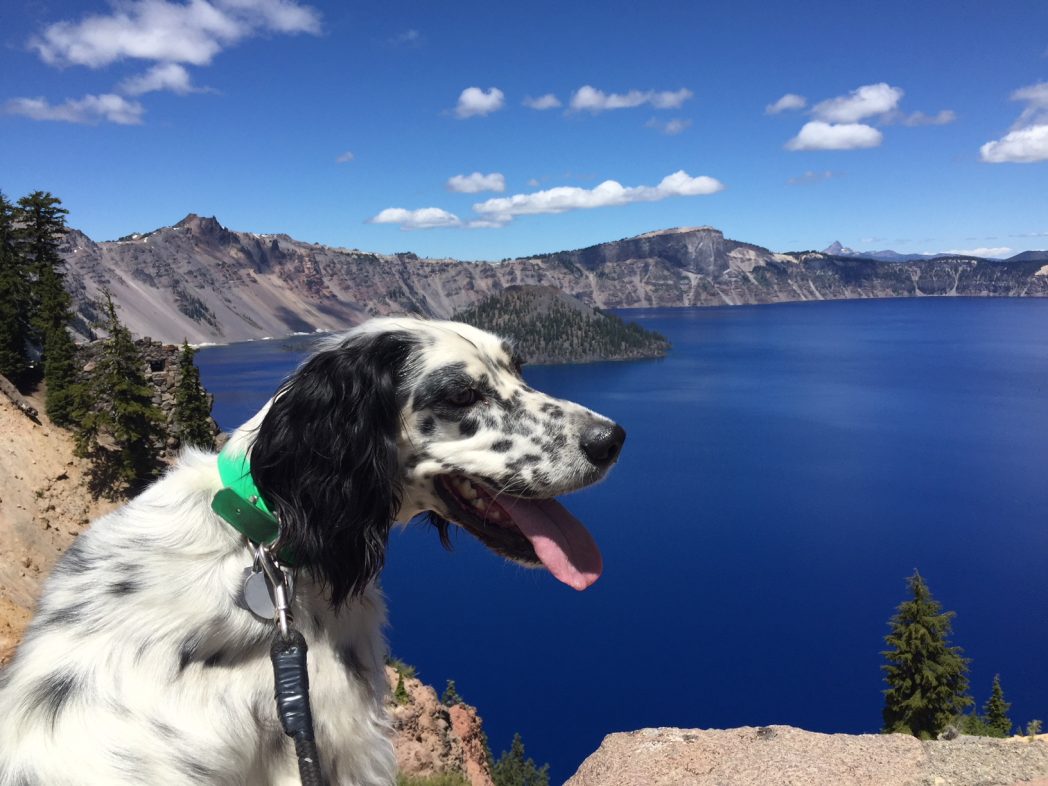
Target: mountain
835	249
548	326
1029	256
201	281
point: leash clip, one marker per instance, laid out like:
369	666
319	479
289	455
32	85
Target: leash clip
281	584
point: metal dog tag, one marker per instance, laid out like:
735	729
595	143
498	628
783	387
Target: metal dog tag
256	596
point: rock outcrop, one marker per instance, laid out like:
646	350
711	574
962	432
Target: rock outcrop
432	739
200	281
785	756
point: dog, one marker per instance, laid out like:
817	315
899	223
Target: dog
142	663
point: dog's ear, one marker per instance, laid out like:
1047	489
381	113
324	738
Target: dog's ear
325	458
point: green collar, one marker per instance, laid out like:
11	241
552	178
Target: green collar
240	503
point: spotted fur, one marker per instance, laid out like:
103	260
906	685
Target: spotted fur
140	666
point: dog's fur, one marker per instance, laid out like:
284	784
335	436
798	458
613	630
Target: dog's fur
140	667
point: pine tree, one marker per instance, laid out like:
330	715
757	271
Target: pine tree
192	404
927	677
400	693
41	222
15	299
121	432
451	695
996	709
513	769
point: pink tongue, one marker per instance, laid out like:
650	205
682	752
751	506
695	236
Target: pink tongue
565	546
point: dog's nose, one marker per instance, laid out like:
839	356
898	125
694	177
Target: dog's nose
601	442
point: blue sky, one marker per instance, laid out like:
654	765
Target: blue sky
917	126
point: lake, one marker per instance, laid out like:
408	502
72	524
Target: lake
787	467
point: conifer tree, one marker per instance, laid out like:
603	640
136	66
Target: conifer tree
927	677
450	695
121	431
192	404
41	222
15	299
400	693
996	709
513	769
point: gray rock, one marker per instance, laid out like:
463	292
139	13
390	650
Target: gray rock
786	756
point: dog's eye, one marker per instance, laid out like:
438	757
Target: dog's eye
464	398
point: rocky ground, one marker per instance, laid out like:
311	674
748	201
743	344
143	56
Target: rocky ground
785	756
43	507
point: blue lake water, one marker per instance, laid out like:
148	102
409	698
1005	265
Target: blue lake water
787	467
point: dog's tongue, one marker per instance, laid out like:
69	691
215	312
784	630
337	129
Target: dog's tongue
565	546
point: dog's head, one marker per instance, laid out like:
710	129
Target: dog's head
404	416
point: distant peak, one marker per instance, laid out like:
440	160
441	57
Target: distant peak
204	224
836	249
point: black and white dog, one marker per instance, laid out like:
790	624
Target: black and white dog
142	665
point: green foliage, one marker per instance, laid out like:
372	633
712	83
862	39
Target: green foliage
121	431
1033	728
450	695
192	404
513	769
402	668
977	726
546	326
400	694
440	779
41	224
16	304
927	677
996	710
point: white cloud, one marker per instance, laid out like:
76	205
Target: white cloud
590	99
1025	146
865	101
670	127
811	176
345	158
548	101
994	253
407	38
473	101
788	102
423	218
477	182
90	109
534	182
941	118
164	76
607	194
817	135
169	32
1027	142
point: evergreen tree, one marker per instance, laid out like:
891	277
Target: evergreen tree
996	709
41	222
121	432
400	693
450	695
15	299
513	769
192	404
927	677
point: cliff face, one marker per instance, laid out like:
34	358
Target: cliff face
201	281
785	755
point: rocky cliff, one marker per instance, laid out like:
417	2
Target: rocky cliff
201	281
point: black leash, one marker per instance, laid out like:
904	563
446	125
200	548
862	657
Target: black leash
291	679
290	676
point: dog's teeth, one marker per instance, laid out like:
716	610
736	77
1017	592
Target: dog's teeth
466	489
479	504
